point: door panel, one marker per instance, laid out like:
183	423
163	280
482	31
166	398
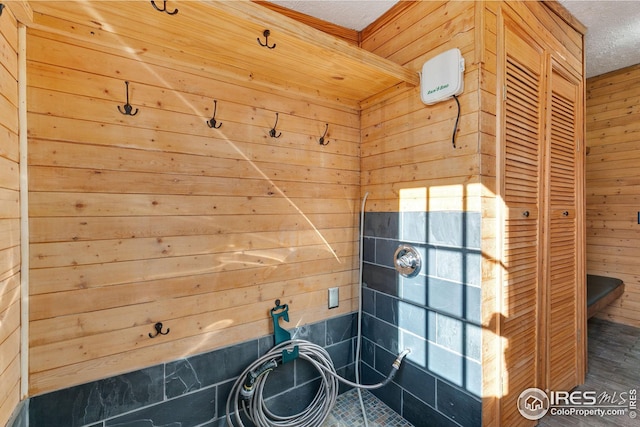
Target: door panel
562	320
523	131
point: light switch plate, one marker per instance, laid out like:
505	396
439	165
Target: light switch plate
333	297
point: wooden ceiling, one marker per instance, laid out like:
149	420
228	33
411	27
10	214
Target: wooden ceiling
221	37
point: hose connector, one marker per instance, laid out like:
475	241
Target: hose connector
395	366
396	363
248	387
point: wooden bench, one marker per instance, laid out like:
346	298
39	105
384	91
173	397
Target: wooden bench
602	291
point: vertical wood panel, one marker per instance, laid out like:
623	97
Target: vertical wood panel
566	321
522	182
490	178
9	220
613	141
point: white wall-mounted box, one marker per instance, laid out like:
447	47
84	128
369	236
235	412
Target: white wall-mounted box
442	77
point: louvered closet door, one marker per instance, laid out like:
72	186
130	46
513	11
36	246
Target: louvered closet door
562	326
522	130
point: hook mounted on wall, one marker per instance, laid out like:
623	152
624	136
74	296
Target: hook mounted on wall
212	122
1	8
272	132
164	8
266	34
322	141
128	109
158	328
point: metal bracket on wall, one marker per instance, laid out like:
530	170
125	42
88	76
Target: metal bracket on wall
281	335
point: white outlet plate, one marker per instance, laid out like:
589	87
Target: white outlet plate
333	297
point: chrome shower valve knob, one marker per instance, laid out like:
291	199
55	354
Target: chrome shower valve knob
407	261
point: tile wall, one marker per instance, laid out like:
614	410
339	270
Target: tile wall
193	391
436	314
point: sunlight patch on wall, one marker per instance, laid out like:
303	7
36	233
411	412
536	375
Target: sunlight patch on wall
456	197
413	199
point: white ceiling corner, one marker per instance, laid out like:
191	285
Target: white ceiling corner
352	14
612	41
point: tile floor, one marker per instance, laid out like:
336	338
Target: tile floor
613	367
347	412
614	357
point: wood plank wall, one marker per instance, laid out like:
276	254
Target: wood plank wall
408	161
10	329
487	43
158	218
613	186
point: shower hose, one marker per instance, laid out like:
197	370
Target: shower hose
246	393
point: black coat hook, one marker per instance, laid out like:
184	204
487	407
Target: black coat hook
1	8
212	123
322	141
272	132
266	34
128	109
164	8
158	328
